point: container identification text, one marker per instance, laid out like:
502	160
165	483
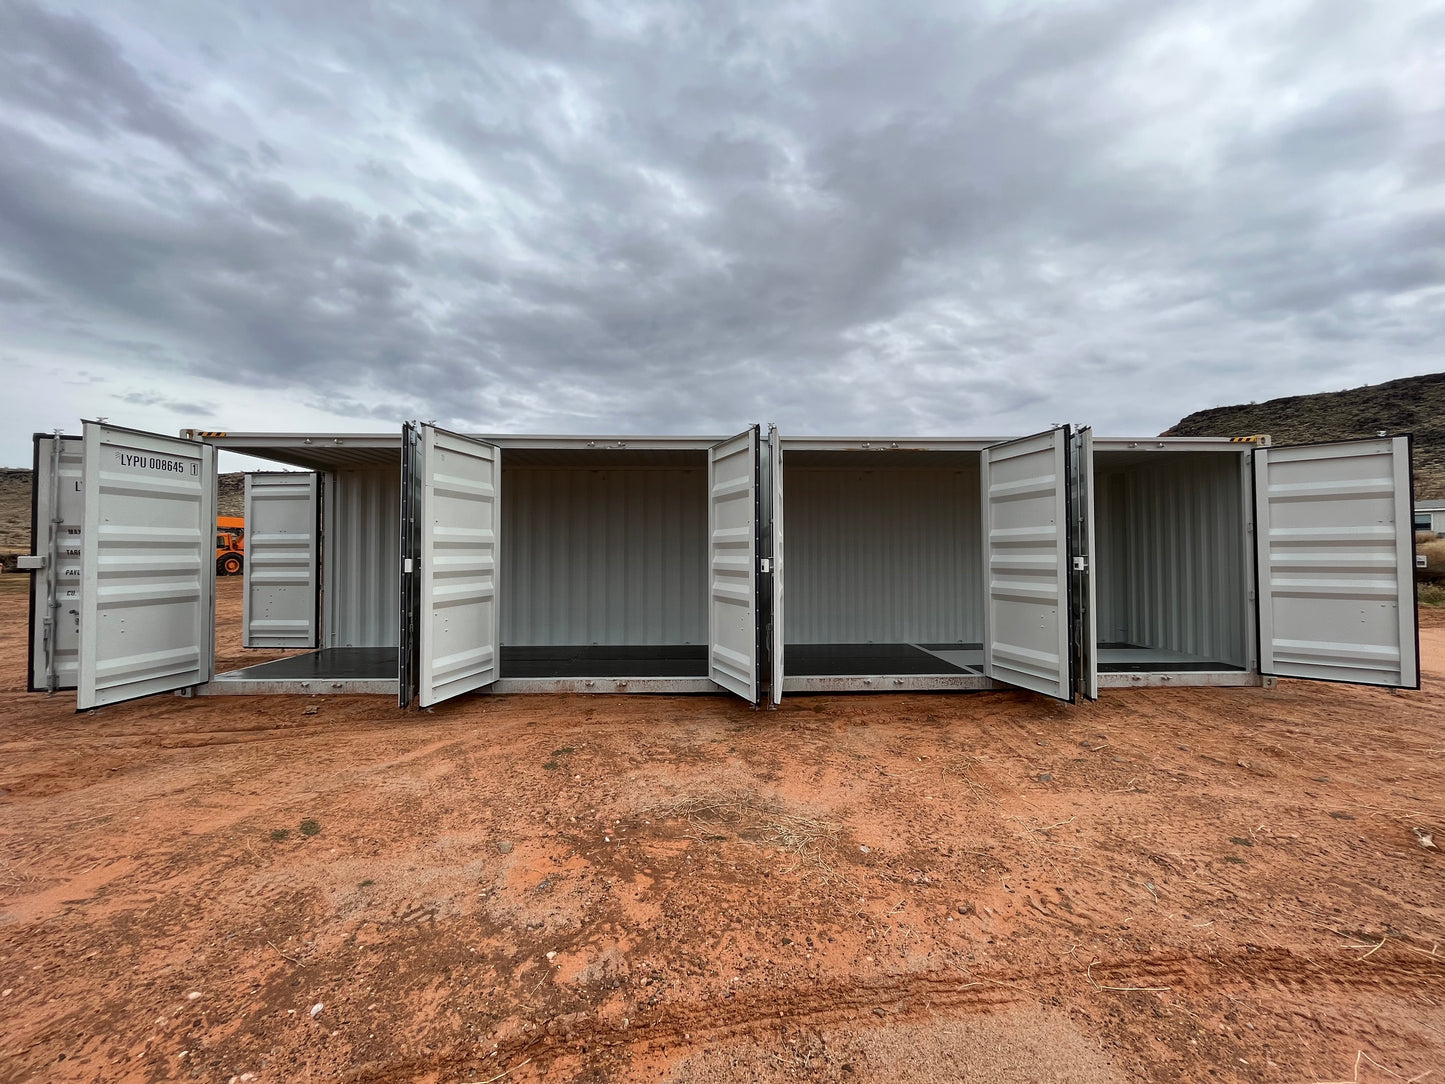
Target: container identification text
160	464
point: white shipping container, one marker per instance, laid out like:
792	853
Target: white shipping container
429	564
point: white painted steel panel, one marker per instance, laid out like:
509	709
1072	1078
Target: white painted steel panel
57	507
1082	543
597	554
361	558
777	623
889	554
611	686
280	581
1025	519
148	562
733	564
1336	557
227	685
458	627
1224	679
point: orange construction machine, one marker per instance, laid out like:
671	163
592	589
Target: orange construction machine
230	544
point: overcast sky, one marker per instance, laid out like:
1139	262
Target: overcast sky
598	217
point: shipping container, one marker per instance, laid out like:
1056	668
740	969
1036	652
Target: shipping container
1173	562
1061	563
427	564
881	568
626	565
915	564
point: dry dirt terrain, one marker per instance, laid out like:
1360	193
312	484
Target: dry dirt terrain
1169	885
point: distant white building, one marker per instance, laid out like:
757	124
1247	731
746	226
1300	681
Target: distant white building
1430	516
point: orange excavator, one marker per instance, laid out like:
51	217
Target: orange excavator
230	544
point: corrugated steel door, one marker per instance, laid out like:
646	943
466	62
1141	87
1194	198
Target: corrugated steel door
280	581
57	503
775	476
148	565
1334	530
1081	554
732	515
1026	563
458	629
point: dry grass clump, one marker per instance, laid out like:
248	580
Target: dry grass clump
757	819
1431	594
1434	551
1434	554
12	876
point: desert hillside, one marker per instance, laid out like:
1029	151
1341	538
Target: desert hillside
1415	405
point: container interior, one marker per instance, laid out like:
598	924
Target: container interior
604	563
360	563
1169	572
603	568
361	558
882	563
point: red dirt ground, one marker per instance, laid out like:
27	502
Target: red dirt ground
1172	884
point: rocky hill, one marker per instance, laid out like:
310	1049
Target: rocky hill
1414	405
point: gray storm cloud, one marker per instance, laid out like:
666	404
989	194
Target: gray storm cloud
844	217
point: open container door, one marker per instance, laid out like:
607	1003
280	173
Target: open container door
458	634
409	545
148	565
1081	555
732	601
280	573
57	502
1026	563
775	565
1334	529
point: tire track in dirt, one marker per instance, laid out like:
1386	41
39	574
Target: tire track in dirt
913	997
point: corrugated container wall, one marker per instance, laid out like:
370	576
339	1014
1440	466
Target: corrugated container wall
1170	568
361	554
612	555
882	555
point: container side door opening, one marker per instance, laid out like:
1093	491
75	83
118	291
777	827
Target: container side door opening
57	501
1334	528
733	545
455	565
1025	490
148	565
280	580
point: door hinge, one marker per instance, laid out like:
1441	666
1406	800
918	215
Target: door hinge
1081	564
408	565
765	564
30	562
